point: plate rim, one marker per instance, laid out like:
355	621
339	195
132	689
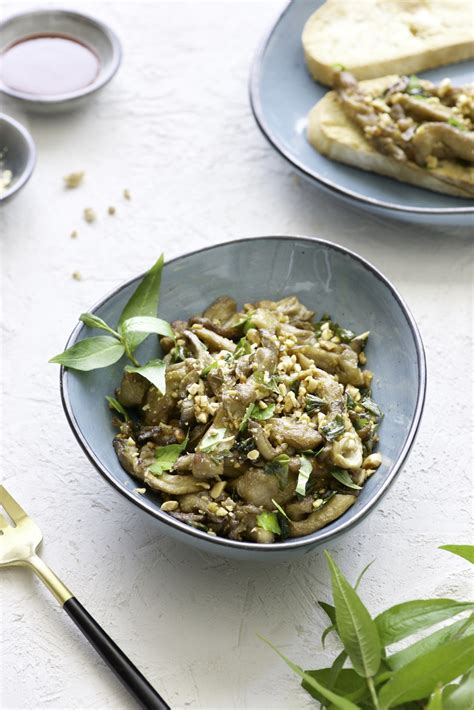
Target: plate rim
307	541
257	110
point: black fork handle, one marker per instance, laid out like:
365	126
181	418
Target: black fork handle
133	680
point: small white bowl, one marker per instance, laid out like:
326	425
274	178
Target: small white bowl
20	155
87	30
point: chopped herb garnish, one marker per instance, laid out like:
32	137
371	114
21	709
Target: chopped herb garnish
279	508
268	521
115	404
243	348
262	414
178	354
361	422
208	368
350	401
344	334
214	436
166	457
343	477
304	473
339	67
314	403
457	124
279	467
371	406
334	428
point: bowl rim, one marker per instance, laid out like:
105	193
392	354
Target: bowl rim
30	163
100	81
256	105
319	536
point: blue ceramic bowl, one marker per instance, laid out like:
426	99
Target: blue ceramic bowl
282	92
327	278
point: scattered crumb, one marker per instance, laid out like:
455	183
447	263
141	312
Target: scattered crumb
74	234
89	215
141	491
76	275
73	179
111	210
126	194
296	179
5	179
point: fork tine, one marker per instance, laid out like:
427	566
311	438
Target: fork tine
16	513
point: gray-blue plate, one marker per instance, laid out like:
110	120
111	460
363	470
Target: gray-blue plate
326	277
282	92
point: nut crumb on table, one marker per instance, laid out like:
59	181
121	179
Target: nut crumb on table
73	179
89	215
76	275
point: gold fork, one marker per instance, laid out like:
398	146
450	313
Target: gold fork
18	545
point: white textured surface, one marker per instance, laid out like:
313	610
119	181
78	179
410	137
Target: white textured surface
176	129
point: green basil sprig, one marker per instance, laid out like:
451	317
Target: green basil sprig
435	672
137	321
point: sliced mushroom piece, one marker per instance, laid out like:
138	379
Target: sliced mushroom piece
347	451
262	536
127	453
198	349
266	360
260	489
184	463
261	441
221	310
443	141
161	434
235	401
299	510
175	485
158	408
206	467
225	331
213	340
299	435
132	390
332	510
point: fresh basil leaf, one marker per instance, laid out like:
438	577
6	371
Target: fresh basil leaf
349	685
343	477
144	301
212	366
413	84
460	697
436	701
314	403
154	371
334	428
460	629
361	423
350	401
243	348
246	417
147	324
304	473
268	521
371	406
405	619
115	404
330	611
215	437
261	414
361	575
337	700
278	467
93	321
464	551
357	630
280	509
91	353
166	457
344	334
336	669
419	678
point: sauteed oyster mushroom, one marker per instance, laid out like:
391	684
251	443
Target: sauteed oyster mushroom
266	429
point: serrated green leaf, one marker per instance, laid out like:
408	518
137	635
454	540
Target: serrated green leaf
464	551
91	353
147	324
435	702
460	696
419	678
405	619
459	629
154	371
144	301
93	321
338	701
355	627
115	404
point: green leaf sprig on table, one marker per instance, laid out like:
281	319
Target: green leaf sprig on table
137	321
435	672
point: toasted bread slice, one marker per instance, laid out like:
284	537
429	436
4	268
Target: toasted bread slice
335	135
372	38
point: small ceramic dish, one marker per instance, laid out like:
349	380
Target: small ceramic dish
85	30
17	155
282	92
327	278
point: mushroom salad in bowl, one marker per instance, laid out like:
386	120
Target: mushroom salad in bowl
249	422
